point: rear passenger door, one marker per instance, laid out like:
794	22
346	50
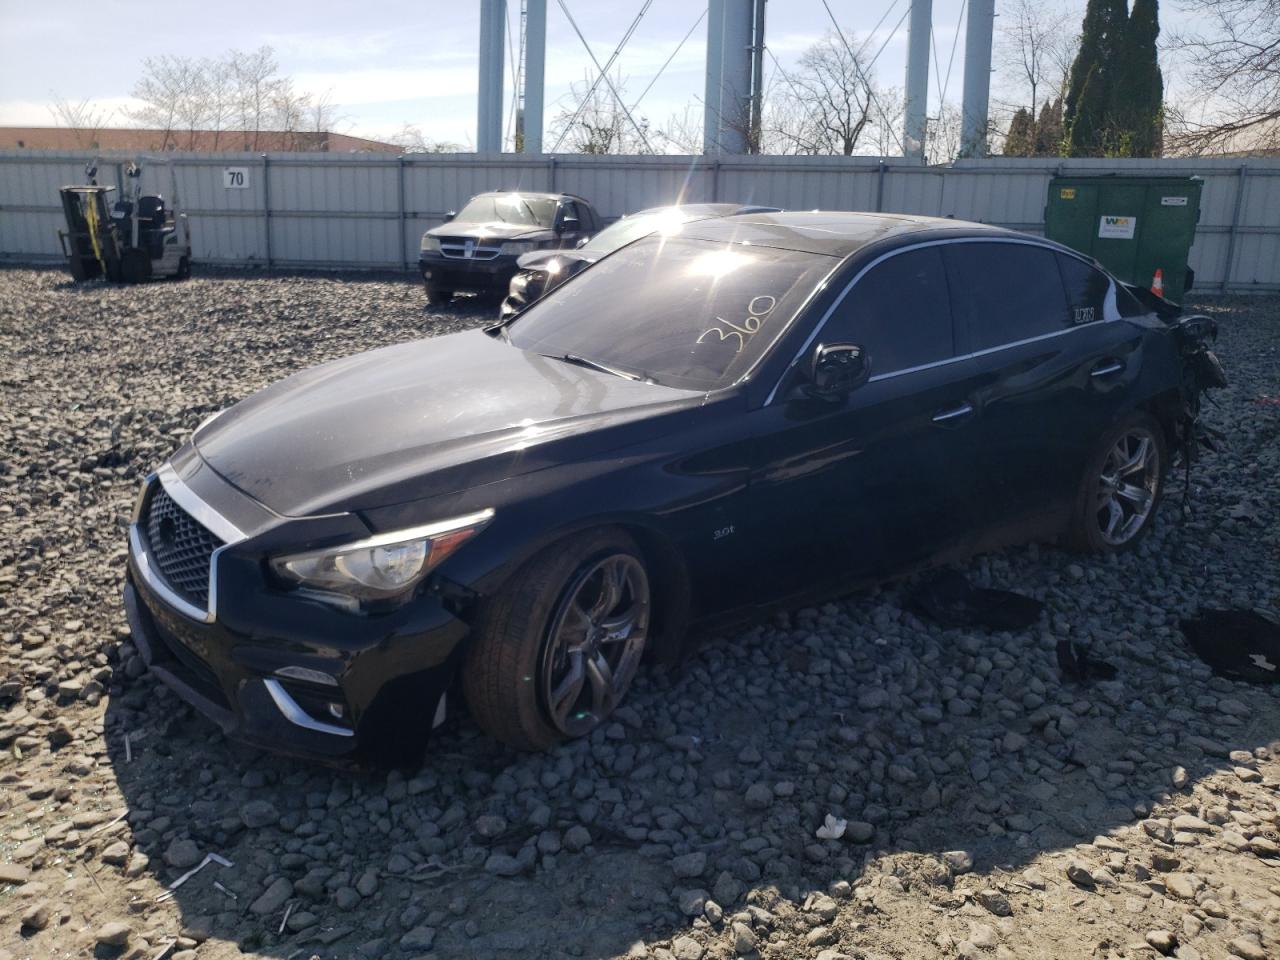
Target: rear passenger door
1038	325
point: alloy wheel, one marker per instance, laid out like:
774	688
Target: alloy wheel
1128	486
595	641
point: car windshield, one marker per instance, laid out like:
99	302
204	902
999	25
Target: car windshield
509	208
687	313
633	228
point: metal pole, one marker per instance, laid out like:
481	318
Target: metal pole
757	77
404	241
266	205
1235	227
977	77
493	22
535	33
882	168
919	29
735	76
711	99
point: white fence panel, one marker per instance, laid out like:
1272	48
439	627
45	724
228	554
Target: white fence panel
369	211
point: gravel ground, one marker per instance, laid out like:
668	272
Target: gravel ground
993	810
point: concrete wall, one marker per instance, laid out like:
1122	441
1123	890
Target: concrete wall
366	211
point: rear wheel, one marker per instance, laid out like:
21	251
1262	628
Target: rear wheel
555	653
1121	489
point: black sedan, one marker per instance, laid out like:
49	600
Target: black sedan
754	410
476	249
542	270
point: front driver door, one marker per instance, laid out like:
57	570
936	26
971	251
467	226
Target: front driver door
866	486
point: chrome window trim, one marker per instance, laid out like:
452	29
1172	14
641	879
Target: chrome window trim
299	717
1028	241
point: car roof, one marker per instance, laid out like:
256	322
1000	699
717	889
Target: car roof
705	209
834	233
534	194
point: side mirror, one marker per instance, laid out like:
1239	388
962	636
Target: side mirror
450	215
837	369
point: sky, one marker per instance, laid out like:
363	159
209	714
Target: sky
386	64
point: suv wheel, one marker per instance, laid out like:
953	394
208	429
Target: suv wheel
438	295
555	652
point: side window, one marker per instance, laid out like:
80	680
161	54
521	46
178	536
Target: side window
899	312
1005	292
1088	291
570	209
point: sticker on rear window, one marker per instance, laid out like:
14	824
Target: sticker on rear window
1173	201
1117	228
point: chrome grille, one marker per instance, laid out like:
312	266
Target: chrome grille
455	248
180	548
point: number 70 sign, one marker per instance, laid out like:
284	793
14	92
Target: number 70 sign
235	178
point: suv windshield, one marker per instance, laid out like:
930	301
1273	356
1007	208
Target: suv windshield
687	313
509	208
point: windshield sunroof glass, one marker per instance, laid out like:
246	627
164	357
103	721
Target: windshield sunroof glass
684	312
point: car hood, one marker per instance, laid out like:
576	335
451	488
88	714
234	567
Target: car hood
417	420
497	230
538	259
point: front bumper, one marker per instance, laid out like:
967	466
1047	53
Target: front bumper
290	674
458	273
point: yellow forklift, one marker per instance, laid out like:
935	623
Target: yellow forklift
131	240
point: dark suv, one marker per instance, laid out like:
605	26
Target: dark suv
476	249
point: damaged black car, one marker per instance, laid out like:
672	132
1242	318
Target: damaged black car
747	411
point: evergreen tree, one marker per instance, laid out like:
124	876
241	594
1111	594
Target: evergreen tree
1087	110
1049	131
1020	140
1138	95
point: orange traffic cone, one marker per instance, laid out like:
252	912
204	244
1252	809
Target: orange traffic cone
1157	282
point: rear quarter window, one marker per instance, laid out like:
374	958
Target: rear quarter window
1002	293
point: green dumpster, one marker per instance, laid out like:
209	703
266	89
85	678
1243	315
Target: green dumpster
1139	228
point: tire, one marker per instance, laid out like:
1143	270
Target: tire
184	268
1125	473
135	266
436	296
523	679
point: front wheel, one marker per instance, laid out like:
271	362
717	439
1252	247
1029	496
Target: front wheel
437	296
555	652
1122	486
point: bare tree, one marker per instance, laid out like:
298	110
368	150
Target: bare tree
174	97
682	133
593	119
411	139
220	97
825	105
84	119
1037	43
1234	61
254	77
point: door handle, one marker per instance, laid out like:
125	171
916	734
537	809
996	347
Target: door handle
1106	368
954	413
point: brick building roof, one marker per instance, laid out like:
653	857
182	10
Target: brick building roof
130	138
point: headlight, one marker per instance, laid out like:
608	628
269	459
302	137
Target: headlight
384	567
515	247
430	244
